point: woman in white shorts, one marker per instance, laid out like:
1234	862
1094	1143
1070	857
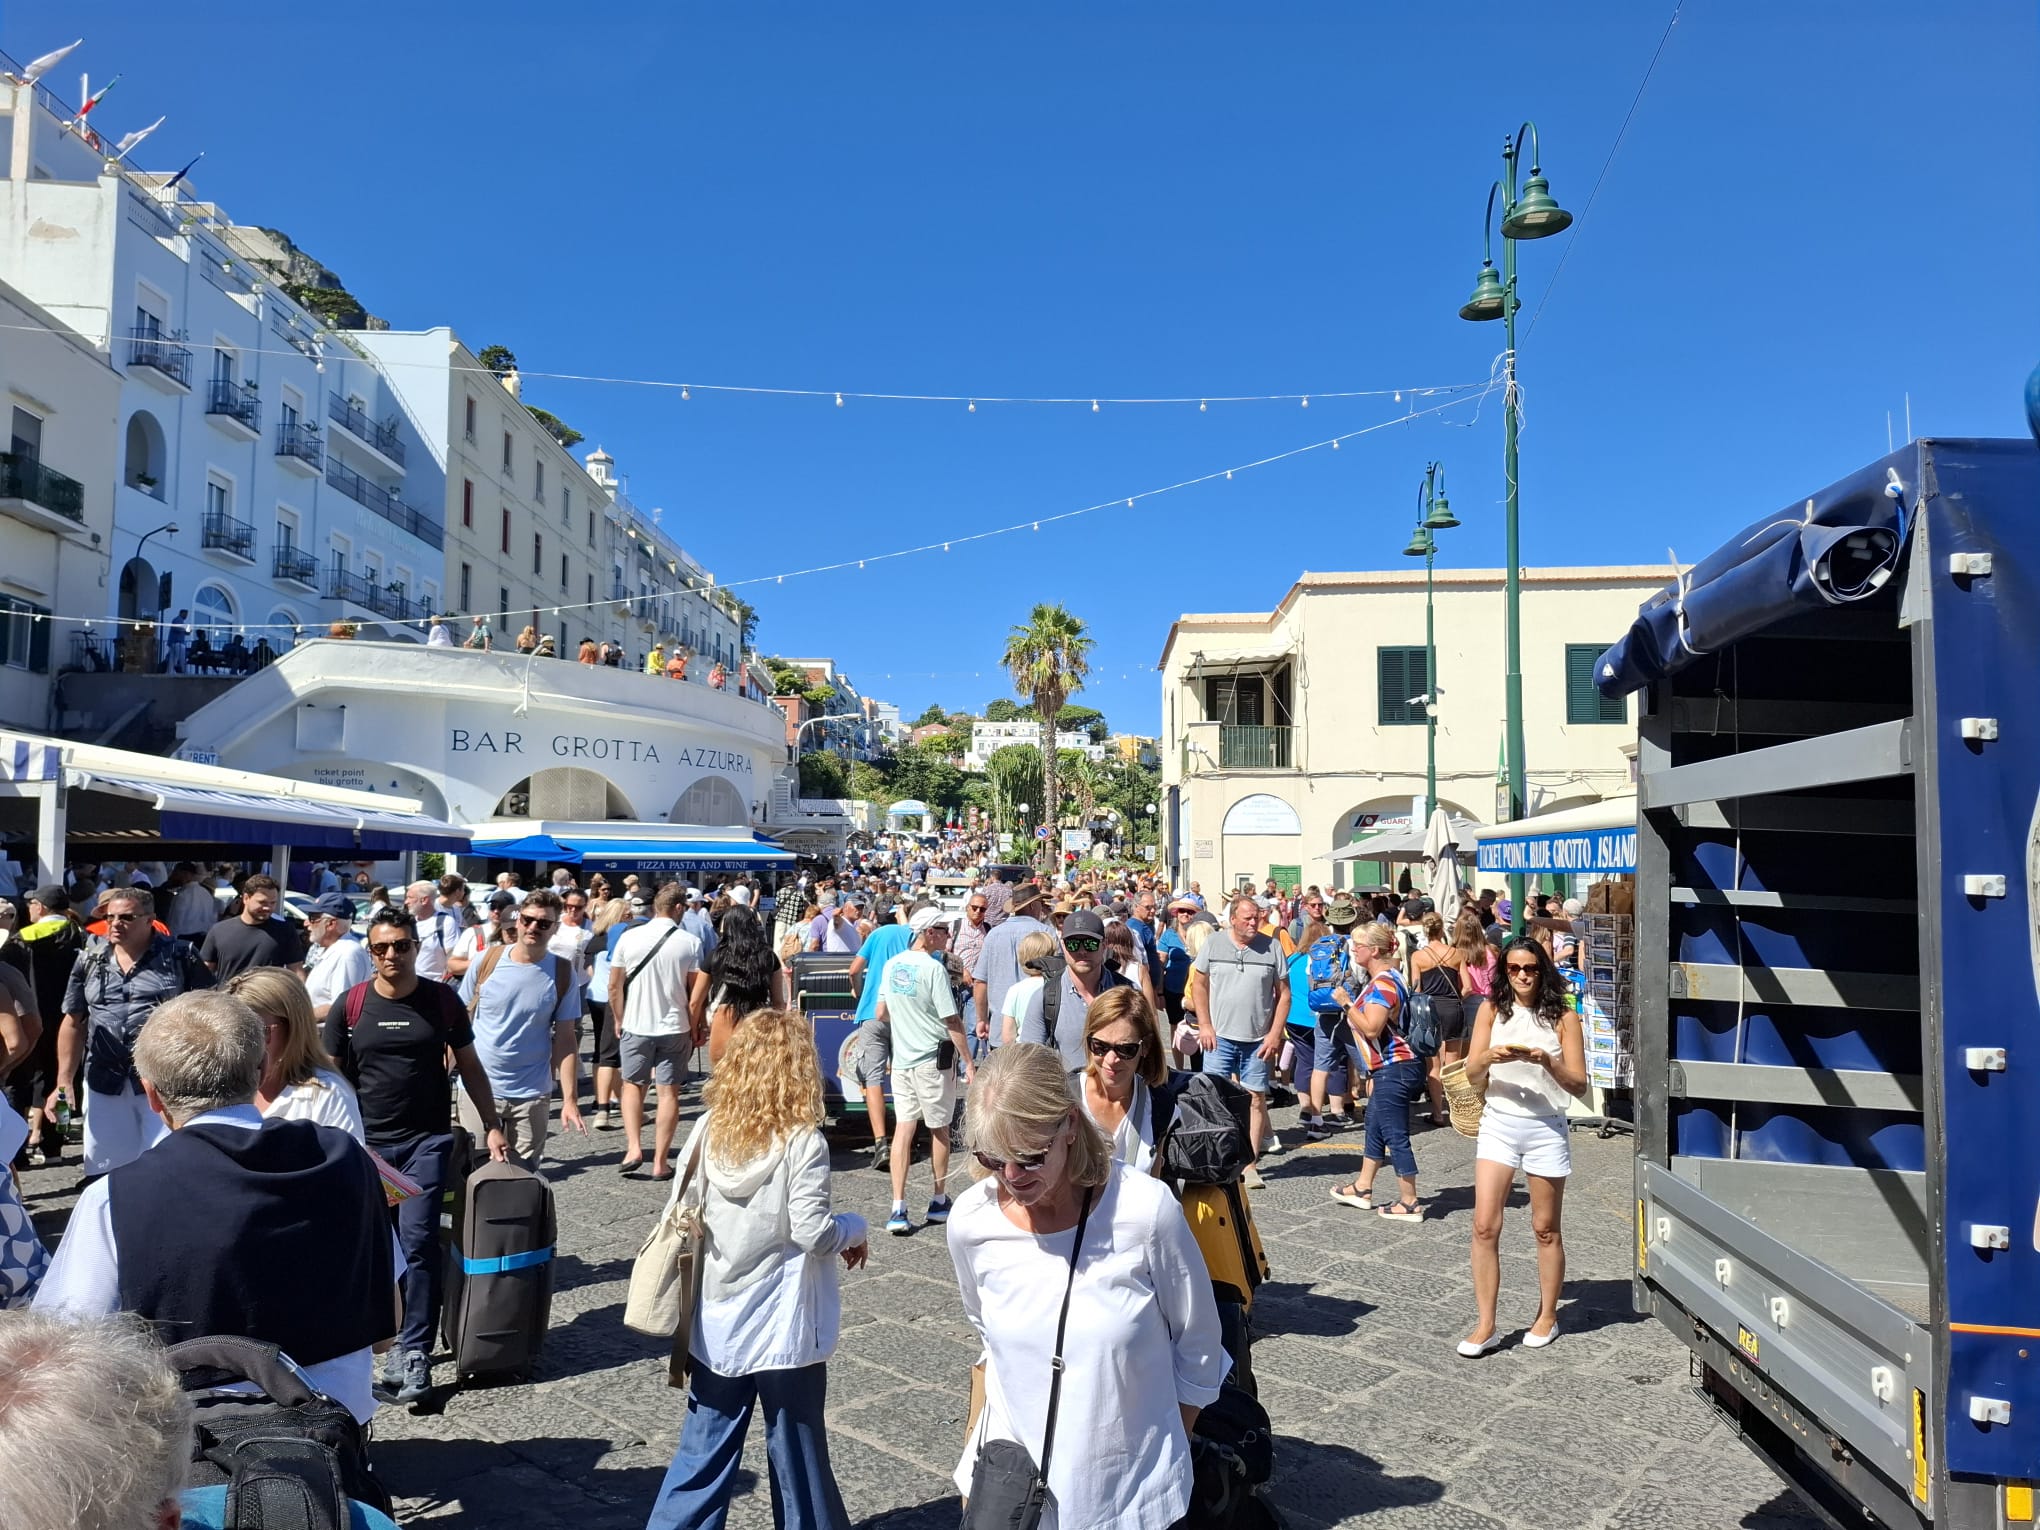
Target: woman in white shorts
1529	1052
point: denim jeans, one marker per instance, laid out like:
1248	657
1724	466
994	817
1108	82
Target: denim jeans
424	1273
696	1492
1241	1060
1396	1088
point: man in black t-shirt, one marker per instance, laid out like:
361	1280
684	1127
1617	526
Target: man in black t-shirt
255	937
392	1048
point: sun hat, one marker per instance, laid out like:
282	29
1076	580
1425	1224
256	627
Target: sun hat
1342	912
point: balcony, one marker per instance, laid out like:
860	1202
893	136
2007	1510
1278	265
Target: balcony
235	407
298	447
31	492
386	503
1249	748
296	566
387	601
159	362
382	439
232	538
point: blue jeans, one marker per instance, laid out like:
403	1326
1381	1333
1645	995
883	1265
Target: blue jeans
1396	1088
424	1272
696	1492
1240	1060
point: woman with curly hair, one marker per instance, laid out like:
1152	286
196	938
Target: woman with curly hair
768	1313
1529	1053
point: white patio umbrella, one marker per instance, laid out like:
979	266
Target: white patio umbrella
1441	863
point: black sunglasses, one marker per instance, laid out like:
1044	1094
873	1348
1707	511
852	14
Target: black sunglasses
1082	942
392	947
1125	1051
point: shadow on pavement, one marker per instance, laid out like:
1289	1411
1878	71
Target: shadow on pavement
942	1514
1283	1306
1333	1483
469	1485
1590	1304
1787	1511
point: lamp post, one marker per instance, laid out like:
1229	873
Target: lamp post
1532	215
1434	513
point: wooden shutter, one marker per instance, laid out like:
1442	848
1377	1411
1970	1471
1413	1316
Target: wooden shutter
1583	702
1402	675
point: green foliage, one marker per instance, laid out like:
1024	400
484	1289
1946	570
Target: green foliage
565	434
1076	719
818	696
823	775
871	784
431	866
335	307
1001	710
1048	658
499	359
933	714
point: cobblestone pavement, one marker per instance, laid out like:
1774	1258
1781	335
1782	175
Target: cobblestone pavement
1379	1423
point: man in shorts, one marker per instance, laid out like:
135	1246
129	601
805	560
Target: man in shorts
656	986
928	1041
1242	1001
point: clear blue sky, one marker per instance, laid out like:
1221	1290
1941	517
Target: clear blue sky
1808	219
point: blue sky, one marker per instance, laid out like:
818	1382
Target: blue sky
1809	218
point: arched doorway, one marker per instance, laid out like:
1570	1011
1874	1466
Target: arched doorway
566	792
139	603
711	800
144	465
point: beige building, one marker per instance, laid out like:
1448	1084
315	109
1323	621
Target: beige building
1292	733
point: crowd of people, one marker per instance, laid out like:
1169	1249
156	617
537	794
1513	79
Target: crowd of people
278	1071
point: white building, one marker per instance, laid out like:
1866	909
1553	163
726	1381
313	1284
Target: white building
988	738
62	401
260	457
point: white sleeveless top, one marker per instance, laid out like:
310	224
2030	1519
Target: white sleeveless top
1524	1088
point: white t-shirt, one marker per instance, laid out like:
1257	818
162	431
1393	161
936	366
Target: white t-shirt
655	1001
439	934
327	1099
1014	1007
571	942
918	1002
473	942
337	968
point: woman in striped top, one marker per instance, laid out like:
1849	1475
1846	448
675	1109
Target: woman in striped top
1398	1077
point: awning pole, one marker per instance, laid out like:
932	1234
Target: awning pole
51	813
279	864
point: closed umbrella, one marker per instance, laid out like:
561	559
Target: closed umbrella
1441	864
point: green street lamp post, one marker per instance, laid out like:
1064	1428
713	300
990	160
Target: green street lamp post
1434	515
1531	215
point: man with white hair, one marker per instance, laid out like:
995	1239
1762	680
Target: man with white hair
439	928
232	1225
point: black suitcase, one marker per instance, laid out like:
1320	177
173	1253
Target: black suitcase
499	1273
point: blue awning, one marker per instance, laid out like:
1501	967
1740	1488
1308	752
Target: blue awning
1598	839
244	816
642	852
532	847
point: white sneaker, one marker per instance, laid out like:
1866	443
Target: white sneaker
1271	1143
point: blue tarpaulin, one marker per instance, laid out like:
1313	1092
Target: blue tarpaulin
1841	545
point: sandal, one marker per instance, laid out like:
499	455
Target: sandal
1353	1195
1401	1211
630	1165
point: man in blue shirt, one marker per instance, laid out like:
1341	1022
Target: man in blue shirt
697	923
525	1005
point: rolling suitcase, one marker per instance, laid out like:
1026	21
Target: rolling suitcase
499	1273
1224	1228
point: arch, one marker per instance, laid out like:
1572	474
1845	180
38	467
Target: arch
147	455
213	611
567	792
139	590
1261	813
281	625
711	800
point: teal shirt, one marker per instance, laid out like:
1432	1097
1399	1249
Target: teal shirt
880	947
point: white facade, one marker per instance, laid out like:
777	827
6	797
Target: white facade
988	738
60	404
273	447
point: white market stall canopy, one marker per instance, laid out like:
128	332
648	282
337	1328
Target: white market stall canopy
1402	844
1599	838
907	809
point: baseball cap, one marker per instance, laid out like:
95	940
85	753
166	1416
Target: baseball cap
334	906
693	894
922	918
500	898
52	897
1084	921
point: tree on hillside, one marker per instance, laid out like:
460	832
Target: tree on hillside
1048	659
1001	710
1087	720
933	714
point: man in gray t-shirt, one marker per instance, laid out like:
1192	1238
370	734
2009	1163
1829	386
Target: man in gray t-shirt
998	960
1240	986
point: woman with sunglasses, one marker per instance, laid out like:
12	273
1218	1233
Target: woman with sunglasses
1529	1052
299	1082
1126	1063
1055	1219
1398	1076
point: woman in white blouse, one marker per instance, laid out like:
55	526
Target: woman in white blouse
1126	1062
1141	1350
298	1079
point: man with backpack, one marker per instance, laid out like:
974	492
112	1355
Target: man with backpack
1055	1013
389	1038
525	1004
1242	1000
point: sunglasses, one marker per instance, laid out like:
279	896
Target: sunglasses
1523	966
1025	1165
1125	1051
532	923
392	947
122	918
575	908
1083	943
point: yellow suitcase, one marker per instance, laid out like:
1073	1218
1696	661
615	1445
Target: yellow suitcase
1223	1225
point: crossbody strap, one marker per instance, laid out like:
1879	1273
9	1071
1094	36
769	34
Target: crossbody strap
1062	1323
646	961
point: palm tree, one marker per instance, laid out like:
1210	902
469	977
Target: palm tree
1048	660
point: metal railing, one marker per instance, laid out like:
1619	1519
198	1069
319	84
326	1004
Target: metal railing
384	600
386	503
355	421
148	348
301	441
295	563
225	534
237	401
1242	747
22	477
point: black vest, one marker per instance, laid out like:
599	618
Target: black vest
280	1234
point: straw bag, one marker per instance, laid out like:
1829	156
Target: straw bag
1463	1099
665	1280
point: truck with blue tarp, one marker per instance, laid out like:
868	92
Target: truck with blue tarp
1837	982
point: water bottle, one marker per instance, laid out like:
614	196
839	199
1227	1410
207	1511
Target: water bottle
64	1115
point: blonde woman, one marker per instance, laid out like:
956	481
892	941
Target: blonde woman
1058	1245
1035	948
1184	1040
611	915
299	1082
769	1309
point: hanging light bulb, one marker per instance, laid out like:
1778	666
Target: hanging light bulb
945	547
1306	401
1129	501
1094	406
1202	406
973	406
1037	525
839	401
1398	395
779	579
319	365
1335	443
1228	475
860	563
684	395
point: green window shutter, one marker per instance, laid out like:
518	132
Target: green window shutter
1402	674
1584	704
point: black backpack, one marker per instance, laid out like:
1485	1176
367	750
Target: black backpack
1204	1138
290	1455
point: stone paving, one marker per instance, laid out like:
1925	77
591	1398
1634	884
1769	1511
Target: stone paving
1379	1423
